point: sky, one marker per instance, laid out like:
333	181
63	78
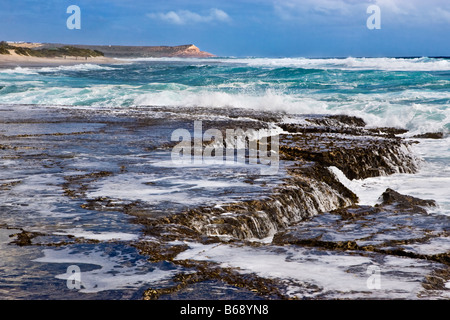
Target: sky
266	28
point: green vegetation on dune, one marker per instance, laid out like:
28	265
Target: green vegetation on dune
4	48
50	52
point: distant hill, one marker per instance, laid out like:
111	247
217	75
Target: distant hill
36	50
185	51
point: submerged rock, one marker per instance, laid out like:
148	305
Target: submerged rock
299	197
24	238
310	188
304	217
357	152
405	202
399	226
430	135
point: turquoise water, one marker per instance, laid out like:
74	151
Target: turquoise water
397	92
408	93
405	93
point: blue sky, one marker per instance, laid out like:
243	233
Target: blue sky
272	28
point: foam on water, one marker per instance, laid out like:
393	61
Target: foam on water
377	110
37	70
100	236
191	186
388	64
380	110
115	270
350	63
406	93
308	273
377	89
431	182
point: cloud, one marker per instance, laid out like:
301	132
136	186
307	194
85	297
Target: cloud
182	17
307	10
400	11
416	11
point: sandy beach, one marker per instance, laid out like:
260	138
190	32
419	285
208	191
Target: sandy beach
14	59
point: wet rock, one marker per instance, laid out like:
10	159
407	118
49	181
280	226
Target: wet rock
405	202
308	209
436	281
344	143
311	188
76	186
359	161
337	120
388	131
24	238
399	226
266	288
430	135
9	185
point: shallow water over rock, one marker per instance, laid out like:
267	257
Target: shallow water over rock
98	189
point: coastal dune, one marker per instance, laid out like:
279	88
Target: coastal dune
14	59
112	54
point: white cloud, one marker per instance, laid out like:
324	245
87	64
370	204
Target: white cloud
401	11
311	9
442	14
182	17
430	11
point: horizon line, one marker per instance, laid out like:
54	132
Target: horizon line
242	56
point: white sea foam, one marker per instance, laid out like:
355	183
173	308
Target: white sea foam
413	108
408	109
77	67
379	109
388	64
337	274
269	100
95	96
37	70
154	188
350	63
18	70
101	236
115	272
431	182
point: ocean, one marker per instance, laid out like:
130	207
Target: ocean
408	93
43	110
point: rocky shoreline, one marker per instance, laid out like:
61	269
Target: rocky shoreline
311	188
307	209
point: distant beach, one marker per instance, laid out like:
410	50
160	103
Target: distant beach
15	59
110	54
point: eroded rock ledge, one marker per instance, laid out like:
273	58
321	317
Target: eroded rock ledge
307	150
392	227
308	216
